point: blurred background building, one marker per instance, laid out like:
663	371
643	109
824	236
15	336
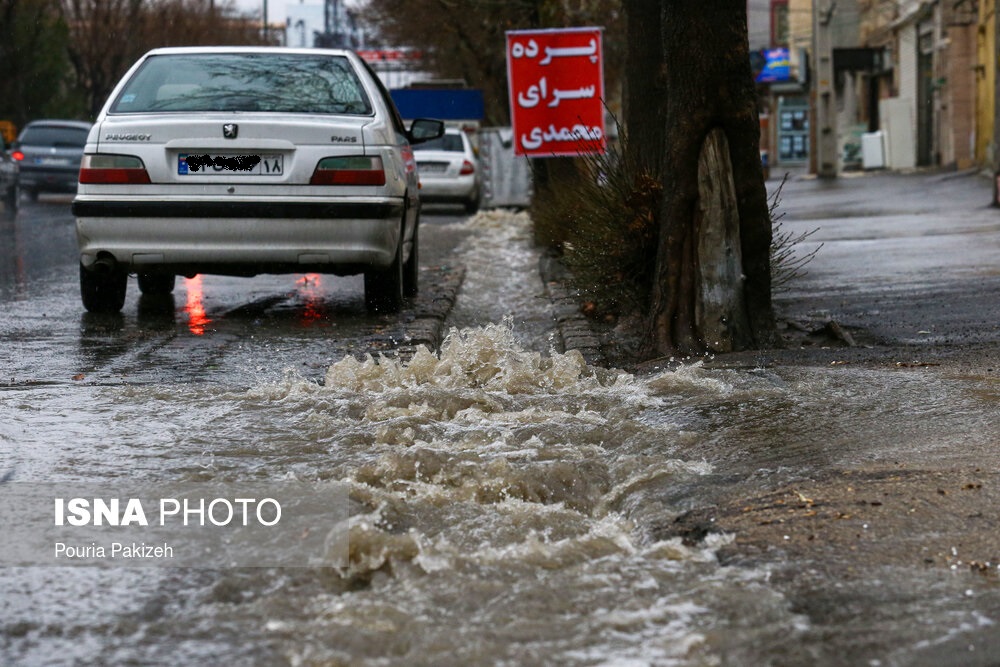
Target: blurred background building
912	82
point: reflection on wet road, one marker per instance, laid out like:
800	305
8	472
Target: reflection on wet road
211	327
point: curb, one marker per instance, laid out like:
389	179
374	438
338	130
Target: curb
575	330
426	322
425	326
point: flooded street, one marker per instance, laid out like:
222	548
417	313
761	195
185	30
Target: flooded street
513	505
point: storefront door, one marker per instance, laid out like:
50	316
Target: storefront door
793	130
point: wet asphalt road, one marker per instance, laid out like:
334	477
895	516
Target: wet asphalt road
912	260
907	264
238	330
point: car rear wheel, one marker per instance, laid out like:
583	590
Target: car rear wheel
156	283
384	287
411	268
472	205
103	292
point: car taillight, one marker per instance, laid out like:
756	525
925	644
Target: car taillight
113	169
467	168
18	156
356	170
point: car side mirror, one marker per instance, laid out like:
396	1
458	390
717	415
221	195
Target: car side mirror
425	129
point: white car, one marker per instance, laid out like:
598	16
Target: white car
449	170
248	160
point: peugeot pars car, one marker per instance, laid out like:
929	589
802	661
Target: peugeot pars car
240	161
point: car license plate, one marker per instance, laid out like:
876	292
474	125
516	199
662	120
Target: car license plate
53	161
204	164
432	167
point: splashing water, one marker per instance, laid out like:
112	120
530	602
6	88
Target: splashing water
497	489
502	278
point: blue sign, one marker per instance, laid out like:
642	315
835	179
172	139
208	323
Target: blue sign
440	103
777	67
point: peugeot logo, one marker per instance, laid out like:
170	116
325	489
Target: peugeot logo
230	130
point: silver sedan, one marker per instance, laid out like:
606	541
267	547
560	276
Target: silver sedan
241	161
449	170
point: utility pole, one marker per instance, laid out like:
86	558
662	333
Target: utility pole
826	110
996	107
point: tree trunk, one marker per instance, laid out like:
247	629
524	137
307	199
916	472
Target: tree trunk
643	95
712	285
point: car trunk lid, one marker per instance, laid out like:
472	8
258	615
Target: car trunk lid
232	147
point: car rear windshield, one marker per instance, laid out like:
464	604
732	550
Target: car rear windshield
447	142
284	83
57	137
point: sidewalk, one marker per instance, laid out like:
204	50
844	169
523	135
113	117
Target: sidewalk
906	271
908	265
889	520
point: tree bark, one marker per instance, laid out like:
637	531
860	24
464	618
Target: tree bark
709	88
642	97
720	312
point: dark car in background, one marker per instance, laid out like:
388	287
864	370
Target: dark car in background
49	154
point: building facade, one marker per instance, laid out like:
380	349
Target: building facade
913	78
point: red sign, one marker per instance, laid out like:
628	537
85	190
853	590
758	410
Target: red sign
556	80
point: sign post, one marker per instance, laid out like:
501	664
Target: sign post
556	83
